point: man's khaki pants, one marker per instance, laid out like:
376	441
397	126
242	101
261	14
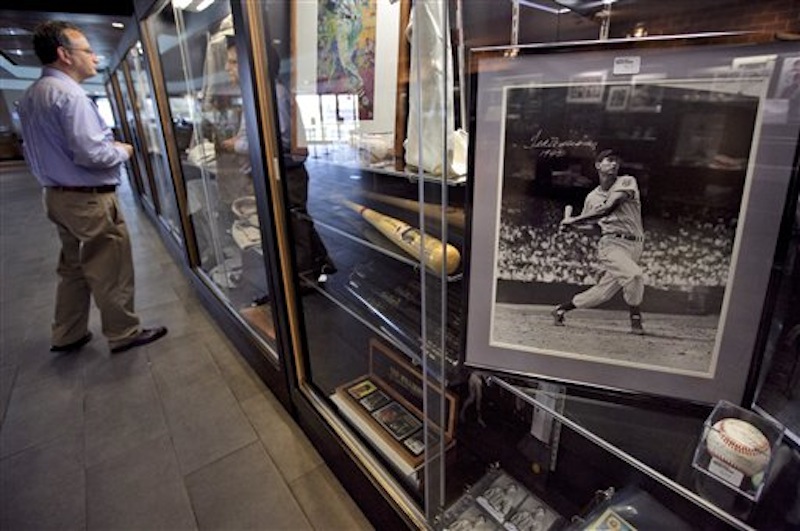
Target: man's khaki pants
95	260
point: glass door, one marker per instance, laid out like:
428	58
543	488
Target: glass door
199	60
129	126
370	194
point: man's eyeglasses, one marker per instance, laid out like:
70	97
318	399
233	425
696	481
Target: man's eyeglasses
84	50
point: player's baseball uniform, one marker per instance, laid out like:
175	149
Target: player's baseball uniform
620	246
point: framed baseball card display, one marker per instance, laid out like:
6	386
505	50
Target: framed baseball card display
626	243
386	407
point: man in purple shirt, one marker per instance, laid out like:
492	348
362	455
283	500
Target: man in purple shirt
73	154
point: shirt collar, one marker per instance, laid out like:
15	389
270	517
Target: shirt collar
50	71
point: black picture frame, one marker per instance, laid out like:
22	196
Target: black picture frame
737	169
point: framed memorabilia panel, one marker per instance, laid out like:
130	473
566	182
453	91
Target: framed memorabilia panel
386	406
345	56
660	271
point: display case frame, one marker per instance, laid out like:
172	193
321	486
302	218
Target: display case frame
766	168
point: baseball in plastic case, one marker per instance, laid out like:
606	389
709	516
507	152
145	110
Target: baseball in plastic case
737	448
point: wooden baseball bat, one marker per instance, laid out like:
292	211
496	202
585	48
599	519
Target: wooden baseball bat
434	252
453	215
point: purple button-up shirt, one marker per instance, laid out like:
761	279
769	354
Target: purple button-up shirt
66	141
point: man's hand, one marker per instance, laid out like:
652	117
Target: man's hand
127	147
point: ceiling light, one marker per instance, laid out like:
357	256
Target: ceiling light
181	4
118	25
14	31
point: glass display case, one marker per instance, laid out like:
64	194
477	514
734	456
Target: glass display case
396	215
399	243
151	137
372	161
199	61
121	131
140	90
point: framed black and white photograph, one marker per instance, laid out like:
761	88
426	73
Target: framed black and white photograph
646	94
501	497
618	98
619	249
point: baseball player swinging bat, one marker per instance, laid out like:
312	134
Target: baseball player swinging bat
411	240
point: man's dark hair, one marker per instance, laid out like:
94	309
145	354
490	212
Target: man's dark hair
607	154
48	36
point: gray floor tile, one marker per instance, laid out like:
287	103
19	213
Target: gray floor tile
283	439
244	491
106	370
179	321
180	362
7	374
38	363
120	418
44	487
206	423
142	489
41	412
239	376
326	504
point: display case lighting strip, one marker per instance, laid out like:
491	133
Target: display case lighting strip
540	7
624	456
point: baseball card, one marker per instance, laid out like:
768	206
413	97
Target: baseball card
362	389
397	420
415	443
374	400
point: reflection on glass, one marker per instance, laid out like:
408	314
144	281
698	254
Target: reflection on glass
156	160
378	347
143	182
200	65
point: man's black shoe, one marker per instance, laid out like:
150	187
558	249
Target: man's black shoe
75	345
145	336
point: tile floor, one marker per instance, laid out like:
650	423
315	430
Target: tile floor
179	434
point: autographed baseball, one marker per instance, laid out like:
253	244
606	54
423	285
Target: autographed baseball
740	445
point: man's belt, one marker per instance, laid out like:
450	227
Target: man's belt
625	236
104	189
